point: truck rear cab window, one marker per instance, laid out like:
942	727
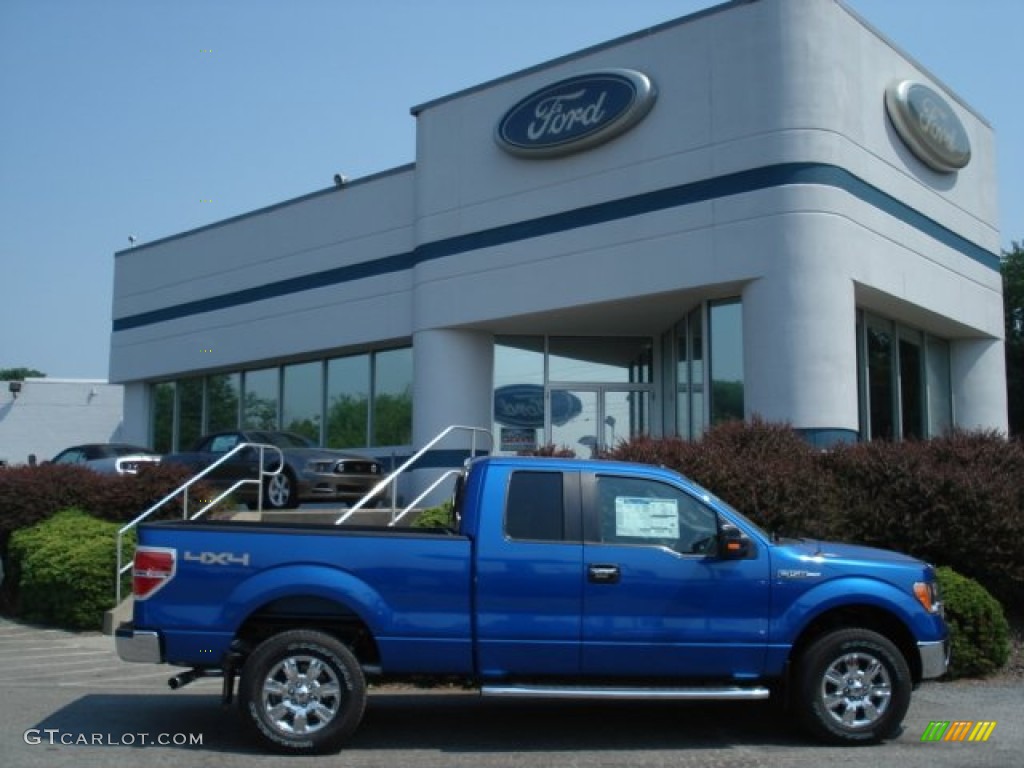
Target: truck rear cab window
535	508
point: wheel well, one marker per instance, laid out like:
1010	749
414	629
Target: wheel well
288	472
308	612
863	617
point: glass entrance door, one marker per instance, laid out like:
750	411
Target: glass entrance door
590	419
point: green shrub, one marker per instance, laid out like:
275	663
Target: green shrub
978	628
29	495
64	568
435	517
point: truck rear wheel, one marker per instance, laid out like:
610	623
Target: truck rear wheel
852	687
302	691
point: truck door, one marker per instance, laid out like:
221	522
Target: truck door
657	600
529	583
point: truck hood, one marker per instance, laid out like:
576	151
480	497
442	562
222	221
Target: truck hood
830	551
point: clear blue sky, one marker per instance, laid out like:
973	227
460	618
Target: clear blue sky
123	117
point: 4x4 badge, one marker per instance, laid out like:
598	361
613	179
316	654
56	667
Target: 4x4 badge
217	558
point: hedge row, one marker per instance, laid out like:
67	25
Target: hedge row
956	500
29	495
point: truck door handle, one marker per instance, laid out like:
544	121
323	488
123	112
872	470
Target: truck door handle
603	574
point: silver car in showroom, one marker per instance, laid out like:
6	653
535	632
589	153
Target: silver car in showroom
310	473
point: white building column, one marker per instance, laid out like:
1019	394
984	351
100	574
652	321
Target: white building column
800	355
136	414
453	372
978	379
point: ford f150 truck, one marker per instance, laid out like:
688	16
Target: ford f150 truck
557	578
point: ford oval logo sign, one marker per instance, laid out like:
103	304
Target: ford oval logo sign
522	405
928	126
576	114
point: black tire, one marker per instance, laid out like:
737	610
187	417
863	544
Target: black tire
852	687
302	692
279	491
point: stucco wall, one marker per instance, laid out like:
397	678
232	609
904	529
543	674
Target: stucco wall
49	415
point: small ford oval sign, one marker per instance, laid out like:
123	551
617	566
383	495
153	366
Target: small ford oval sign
928	125
522	405
575	114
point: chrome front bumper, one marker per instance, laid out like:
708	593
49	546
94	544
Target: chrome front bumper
138	645
934	658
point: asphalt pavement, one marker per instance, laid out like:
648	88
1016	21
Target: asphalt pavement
68	700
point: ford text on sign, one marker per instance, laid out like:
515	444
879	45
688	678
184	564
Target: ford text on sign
576	114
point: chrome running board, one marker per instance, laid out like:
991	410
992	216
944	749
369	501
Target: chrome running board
729	693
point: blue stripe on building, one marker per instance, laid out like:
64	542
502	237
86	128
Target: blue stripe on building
786	174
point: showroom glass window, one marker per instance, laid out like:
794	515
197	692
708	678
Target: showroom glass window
261	399
391	420
190	412
725	321
579	393
348	402
904	381
518	404
937	381
303	399
709	357
599	359
292	397
162	421
690	375
223	395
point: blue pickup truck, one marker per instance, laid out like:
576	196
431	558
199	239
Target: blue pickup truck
556	578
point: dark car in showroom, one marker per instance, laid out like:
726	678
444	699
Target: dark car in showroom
108	458
310	473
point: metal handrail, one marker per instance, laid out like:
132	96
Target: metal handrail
412	460
182	489
423	495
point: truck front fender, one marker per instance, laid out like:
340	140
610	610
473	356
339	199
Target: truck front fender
903	614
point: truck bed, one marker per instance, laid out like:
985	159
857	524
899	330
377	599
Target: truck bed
409	587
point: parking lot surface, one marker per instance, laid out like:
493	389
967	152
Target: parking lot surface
68	700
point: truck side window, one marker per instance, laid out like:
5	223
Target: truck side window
534	510
640	511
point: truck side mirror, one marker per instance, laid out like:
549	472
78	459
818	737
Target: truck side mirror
733	543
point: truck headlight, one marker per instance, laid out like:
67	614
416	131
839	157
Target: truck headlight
927	593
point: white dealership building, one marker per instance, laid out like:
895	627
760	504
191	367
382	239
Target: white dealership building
765	208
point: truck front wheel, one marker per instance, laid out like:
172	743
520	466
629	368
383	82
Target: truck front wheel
302	691
852	687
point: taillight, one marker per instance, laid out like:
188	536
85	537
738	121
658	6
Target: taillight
154	567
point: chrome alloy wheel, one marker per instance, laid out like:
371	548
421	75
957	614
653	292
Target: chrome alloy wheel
856	690
279	490
301	695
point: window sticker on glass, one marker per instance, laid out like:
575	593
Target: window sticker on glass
646	518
